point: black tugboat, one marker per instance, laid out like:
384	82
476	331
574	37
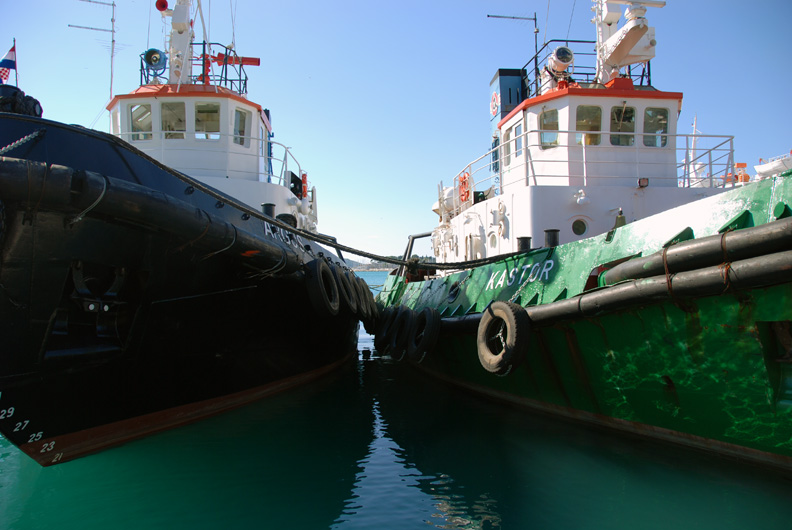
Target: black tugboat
166	272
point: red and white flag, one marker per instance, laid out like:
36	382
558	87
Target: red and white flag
7	64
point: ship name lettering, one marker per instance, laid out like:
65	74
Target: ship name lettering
535	271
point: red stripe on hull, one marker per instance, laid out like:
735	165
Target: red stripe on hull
50	451
641	429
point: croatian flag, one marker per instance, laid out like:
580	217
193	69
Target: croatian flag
7	64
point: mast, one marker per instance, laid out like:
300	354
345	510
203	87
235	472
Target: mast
180	41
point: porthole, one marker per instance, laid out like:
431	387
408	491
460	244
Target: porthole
579	227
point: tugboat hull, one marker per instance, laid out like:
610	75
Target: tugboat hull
698	353
133	298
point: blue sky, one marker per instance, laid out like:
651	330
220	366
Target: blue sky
382	100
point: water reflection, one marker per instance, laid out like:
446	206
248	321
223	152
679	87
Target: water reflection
486	465
289	461
381	446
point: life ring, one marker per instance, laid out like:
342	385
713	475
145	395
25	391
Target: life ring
322	288
399	333
494	104
464	187
347	291
423	334
304	186
381	337
502	337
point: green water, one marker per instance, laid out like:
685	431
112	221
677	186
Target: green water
379	446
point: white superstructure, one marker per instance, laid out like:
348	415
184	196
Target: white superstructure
578	149
201	124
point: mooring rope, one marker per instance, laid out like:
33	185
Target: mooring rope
21	141
317	238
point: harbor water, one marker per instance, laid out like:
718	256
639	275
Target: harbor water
380	445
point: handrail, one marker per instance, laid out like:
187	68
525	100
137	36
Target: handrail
191	142
712	164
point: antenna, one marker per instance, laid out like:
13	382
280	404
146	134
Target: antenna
111	31
536	42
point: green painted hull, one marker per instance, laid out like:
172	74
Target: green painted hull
707	371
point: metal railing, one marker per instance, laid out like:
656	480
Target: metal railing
698	161
276	168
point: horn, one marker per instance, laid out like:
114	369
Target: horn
161	5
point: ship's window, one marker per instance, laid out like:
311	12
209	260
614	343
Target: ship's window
588	118
207	121
622	121
507	147
241	127
518	140
548	124
655	125
174	120
140	122
579	227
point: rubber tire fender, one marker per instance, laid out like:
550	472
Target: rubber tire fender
423	334
399	333
381	338
347	291
363	308
502	337
367	299
322	288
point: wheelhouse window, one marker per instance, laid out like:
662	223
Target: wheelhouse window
140	122
507	147
242	120
207	121
622	121
548	125
588	118
518	139
655	125
174	120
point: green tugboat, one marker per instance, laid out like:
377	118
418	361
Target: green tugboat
674	323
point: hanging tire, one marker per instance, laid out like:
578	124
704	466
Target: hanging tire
381	338
502	337
347	292
399	333
423	334
322	288
367	301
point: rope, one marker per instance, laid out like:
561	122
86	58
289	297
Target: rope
216	252
21	141
79	217
317	238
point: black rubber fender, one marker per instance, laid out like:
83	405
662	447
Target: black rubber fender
502	338
347	292
367	299
423	335
363	307
381	338
322	288
399	332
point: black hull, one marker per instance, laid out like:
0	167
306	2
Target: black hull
134	299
